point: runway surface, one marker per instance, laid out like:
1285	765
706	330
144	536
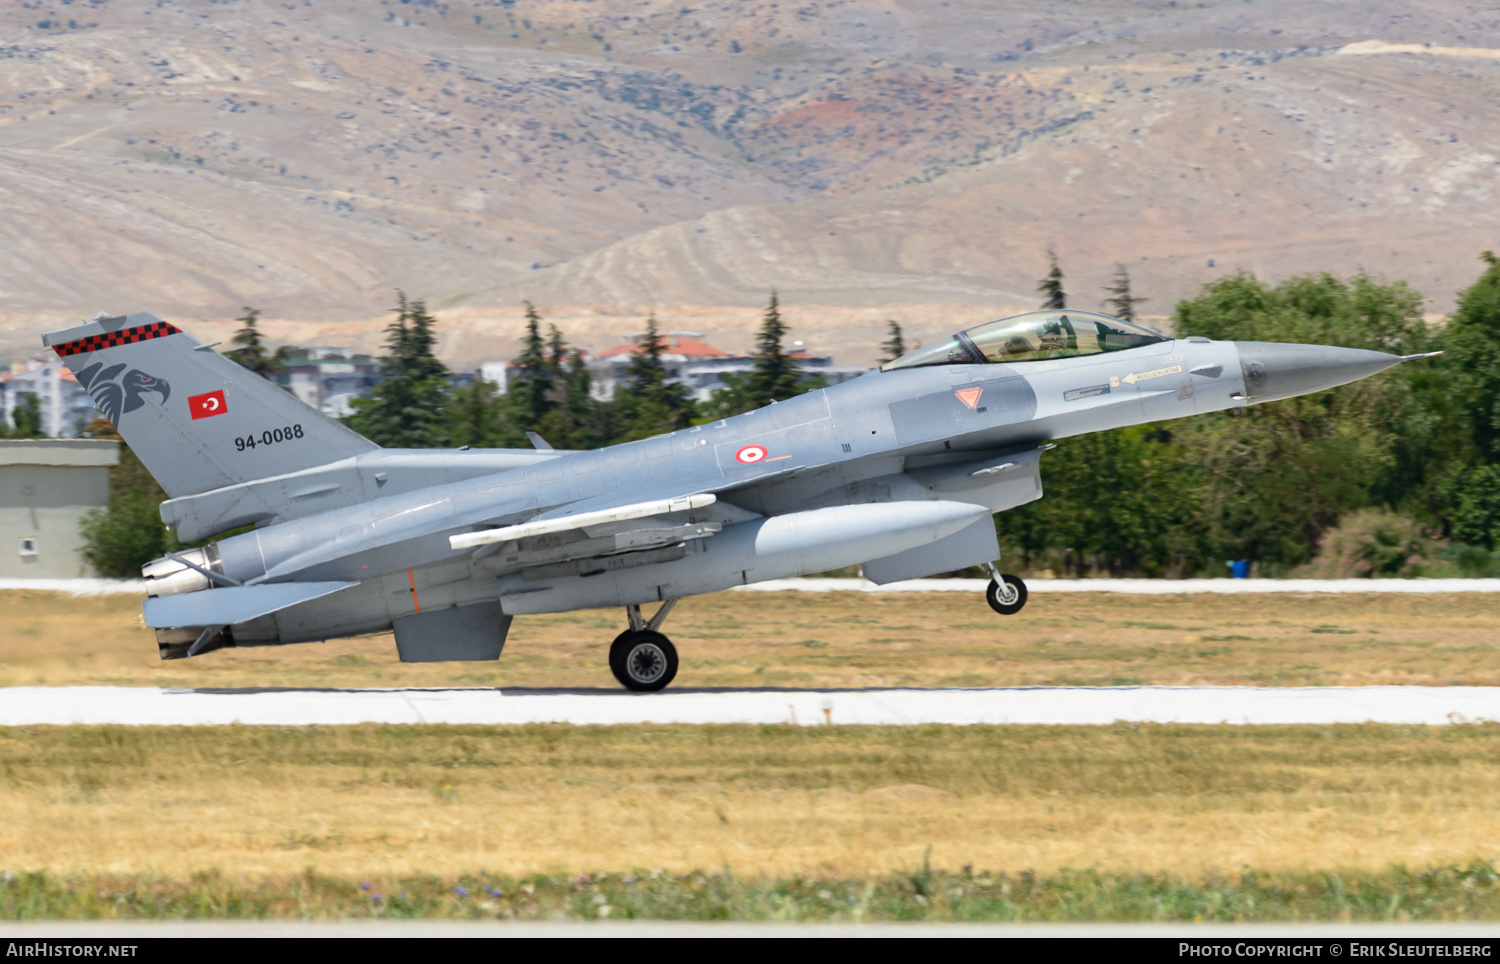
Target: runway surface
142	706
1149	587
1138	587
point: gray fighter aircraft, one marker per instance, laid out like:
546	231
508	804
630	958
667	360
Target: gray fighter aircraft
900	470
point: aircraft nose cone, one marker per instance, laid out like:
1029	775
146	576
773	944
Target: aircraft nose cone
1274	371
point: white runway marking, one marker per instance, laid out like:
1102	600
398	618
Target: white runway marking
80	587
25	706
1150	587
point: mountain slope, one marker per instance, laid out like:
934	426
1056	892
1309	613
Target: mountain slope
864	159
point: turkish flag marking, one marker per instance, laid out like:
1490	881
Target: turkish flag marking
969	396
207	404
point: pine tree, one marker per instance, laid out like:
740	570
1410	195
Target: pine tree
894	346
473	415
592	422
530	393
579	382
408	408
1051	287
648	404
559	422
417	337
775	377
557	352
646	370
1120	302
252	353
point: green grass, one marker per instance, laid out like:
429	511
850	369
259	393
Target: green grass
1457	892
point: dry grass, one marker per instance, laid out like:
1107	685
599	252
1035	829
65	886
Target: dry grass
379	802
839	639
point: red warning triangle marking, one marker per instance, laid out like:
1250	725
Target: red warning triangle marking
969	396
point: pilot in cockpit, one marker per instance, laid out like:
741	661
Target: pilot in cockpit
1057	338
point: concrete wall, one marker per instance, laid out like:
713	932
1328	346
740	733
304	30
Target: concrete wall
46	485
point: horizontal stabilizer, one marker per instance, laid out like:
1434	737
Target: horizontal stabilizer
229	605
541	527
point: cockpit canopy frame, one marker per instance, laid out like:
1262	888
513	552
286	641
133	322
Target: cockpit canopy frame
1032	336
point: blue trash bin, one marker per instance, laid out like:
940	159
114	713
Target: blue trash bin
1240	569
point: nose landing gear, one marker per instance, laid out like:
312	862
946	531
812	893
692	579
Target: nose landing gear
1006	593
641	658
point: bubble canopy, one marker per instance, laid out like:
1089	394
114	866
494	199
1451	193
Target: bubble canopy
1034	336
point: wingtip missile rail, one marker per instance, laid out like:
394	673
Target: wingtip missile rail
541	527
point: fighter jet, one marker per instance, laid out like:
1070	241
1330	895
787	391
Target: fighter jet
900	470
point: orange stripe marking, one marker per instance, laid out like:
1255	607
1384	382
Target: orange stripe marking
412	581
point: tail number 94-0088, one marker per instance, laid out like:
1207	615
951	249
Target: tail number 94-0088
269	437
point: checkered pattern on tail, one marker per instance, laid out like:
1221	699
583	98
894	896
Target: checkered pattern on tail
125	336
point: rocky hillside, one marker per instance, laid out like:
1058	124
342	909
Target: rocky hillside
867	159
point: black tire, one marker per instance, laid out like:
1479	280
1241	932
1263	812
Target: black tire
1010	603
643	660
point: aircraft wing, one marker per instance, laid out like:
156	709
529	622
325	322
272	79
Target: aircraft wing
614	507
417	522
229	605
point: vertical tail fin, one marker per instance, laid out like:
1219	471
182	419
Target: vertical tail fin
196	420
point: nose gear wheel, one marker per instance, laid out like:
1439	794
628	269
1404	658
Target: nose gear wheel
1006	595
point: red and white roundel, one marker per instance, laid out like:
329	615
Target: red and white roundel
751	454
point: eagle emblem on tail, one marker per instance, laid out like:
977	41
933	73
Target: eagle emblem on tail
115	395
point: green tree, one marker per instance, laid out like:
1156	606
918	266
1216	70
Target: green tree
252	352
1268	482
595	419
26	419
407	409
774	376
562	423
1472	340
895	344
1051	287
646	402
1361	312
549	393
530	395
1275	476
1473	496
1122	502
1121	303
557	354
123	536
1453	450
475	416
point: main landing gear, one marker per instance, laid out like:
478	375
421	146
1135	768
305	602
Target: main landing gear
641	658
1006	594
